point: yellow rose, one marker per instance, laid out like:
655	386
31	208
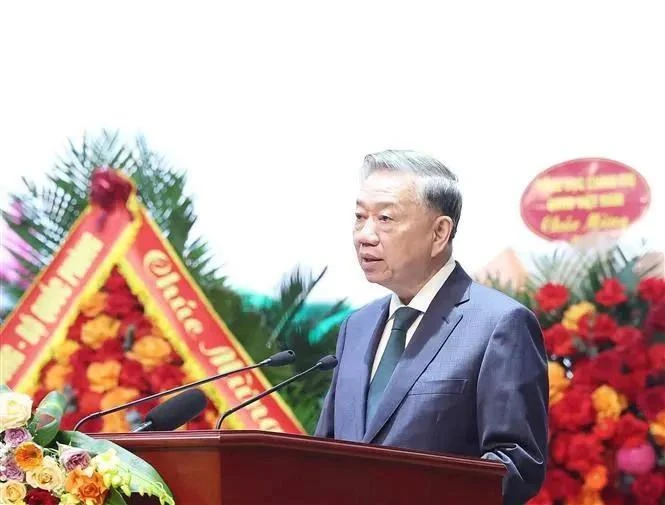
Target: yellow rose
150	351
64	351
103	376
12	492
95	332
608	403
15	410
558	381
48	476
94	305
575	312
56	377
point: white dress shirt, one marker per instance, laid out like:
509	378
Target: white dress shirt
421	302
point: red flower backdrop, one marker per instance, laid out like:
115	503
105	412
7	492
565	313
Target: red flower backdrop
114	354
607	395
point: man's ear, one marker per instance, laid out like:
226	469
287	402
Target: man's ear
443	228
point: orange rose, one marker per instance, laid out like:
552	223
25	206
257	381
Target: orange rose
100	329
596	478
118	396
586	497
115	423
28	456
657	429
150	351
103	376
64	351
90	490
94	305
56	377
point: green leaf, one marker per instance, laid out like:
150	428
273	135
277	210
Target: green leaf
46	421
144	478
115	498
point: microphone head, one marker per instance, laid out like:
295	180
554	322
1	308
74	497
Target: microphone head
177	411
327	362
281	358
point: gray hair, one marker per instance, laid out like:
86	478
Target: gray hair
439	187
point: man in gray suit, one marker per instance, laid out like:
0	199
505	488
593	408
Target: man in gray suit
444	364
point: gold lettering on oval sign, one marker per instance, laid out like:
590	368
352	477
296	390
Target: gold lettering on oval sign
157	263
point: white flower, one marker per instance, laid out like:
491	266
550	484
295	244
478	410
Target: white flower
12	492
15	409
48	476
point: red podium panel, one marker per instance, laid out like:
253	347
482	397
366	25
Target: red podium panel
252	468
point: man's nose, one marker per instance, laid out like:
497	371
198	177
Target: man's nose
367	234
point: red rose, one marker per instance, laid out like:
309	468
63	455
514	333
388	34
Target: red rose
574	411
108	188
559	447
82	357
558	340
165	377
657	356
629	384
630	431
40	497
552	296
611	496
611	293
596	327
560	485
627	336
648	488
110	350
605	429
115	282
584	452
132	375
89	402
652	289
656	317
600	370
74	332
636	357
121	303
136	318
651	402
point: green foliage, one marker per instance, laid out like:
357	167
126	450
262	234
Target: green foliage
46	420
284	321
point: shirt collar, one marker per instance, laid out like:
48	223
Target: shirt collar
424	297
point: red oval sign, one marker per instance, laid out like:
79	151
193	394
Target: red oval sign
579	197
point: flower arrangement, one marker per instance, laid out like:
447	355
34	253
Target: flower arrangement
42	465
113	354
607	393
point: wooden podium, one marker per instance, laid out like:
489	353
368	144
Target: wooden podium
253	468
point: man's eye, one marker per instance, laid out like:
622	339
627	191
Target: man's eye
359	216
384	219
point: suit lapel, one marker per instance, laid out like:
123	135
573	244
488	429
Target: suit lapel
366	344
435	327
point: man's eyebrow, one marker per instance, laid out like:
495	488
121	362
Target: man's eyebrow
379	203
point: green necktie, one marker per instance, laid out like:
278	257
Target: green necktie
404	318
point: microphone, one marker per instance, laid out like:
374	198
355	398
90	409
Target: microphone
280	359
326	363
174	412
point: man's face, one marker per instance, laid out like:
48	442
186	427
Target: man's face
394	232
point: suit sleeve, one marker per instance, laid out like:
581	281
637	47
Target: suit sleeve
326	425
512	404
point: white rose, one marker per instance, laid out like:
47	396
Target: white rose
15	410
48	476
12	492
